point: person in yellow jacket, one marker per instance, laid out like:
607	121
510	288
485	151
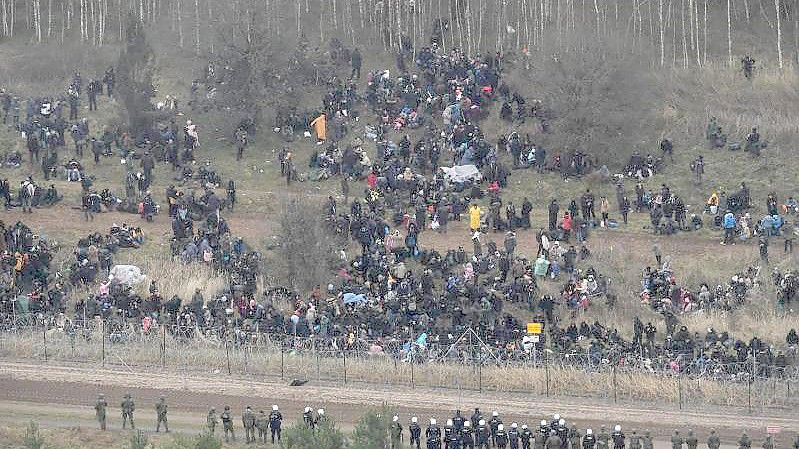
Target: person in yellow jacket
474	217
713	203
319	125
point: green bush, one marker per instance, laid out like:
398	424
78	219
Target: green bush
33	439
325	436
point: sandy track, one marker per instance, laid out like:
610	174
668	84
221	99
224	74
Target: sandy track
193	395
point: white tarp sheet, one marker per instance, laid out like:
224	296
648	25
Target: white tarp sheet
462	173
127	274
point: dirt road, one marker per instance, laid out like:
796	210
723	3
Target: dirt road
32	391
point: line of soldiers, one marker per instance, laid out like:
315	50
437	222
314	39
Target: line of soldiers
128	406
461	433
263	423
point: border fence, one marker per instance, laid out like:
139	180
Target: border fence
466	365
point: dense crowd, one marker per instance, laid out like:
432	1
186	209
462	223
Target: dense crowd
412	149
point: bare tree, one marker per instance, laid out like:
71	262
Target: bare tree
779	32
729	32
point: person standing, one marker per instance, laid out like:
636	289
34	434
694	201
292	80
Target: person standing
275	421
357	61
211	421
128	407
227	424
99	410
248	420
161	411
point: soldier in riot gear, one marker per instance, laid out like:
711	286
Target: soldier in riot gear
483	435
433	435
501	437
494	425
415	431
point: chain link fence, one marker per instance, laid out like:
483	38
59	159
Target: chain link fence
467	366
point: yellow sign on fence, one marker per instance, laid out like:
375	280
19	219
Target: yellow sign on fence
534	328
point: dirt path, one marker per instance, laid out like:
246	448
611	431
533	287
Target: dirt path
74	389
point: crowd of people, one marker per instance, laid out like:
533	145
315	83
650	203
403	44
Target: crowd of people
422	161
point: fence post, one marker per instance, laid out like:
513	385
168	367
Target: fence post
480	375
72	344
749	395
282	355
44	339
102	338
679	388
163	347
546	369
227	355
413	380
318	367
615	388
345	366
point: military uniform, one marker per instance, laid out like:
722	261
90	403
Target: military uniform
589	441
691	442
248	420
676	441
99	409
275	421
635	440
525	437
262	424
467	437
416	434
602	439
227	424
646	441
493	424
501	438
574	437
211	421
161	411
713	441
433	435
128	407
483	436
396	435
744	442
308	419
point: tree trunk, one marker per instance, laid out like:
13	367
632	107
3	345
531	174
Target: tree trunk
729	32
178	14
662	42
197	27
779	32
704	36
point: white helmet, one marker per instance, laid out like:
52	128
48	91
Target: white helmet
307	409
414	419
467	424
395	418
274	407
501	427
617	428
494	413
449	422
514	425
562	421
589	432
557	417
432	421
321	411
524	426
543	422
482	422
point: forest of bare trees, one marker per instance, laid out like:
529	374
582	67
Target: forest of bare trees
681	33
